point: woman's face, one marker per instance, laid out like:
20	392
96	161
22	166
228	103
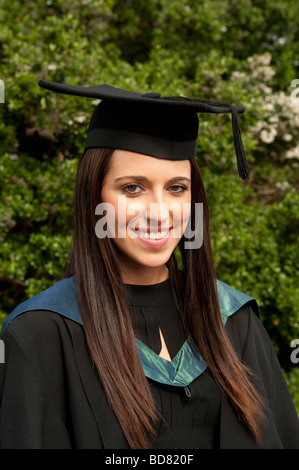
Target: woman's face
151	199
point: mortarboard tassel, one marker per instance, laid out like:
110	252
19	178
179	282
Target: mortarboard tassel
242	164
240	154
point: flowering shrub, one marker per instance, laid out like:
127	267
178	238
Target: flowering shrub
242	52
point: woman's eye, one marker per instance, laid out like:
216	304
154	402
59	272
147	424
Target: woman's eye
177	188
132	189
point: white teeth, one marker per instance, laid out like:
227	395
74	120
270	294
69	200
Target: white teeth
152	235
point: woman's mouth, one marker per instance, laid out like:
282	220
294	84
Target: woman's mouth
154	239
153	235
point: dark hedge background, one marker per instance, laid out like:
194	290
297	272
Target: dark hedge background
245	52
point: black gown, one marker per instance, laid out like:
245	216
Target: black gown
51	397
189	415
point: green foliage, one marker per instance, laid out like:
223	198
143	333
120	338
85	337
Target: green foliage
244	52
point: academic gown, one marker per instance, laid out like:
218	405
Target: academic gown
51	396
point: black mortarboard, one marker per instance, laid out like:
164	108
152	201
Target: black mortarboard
162	127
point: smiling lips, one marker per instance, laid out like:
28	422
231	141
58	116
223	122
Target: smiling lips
154	239
153	235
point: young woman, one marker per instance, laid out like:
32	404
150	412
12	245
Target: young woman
139	346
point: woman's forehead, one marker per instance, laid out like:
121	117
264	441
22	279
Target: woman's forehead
125	163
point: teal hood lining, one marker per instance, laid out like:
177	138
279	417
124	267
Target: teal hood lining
187	365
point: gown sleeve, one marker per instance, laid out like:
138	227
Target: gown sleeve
32	413
253	344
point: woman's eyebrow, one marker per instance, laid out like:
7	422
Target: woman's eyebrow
133	177
179	178
144	178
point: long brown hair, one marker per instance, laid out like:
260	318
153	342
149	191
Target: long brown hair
107	321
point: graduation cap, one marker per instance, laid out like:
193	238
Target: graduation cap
148	123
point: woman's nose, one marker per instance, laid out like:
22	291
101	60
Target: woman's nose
158	216
153	213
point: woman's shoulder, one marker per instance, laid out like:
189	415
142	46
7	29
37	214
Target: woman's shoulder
35	329
247	332
231	300
60	298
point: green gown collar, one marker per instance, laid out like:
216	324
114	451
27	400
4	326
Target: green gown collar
188	364
185	366
179	372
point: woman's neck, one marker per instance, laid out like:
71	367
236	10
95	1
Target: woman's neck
142	275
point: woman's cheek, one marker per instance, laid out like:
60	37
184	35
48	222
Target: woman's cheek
136	217
180	213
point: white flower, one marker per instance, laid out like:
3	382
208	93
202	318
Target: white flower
238	76
80	118
260	59
268	135
293	153
283	185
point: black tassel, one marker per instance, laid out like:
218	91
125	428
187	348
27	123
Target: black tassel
211	106
240	154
